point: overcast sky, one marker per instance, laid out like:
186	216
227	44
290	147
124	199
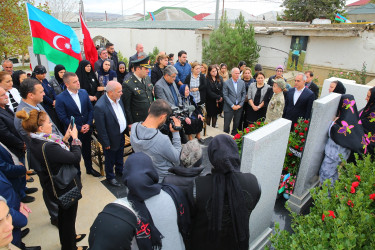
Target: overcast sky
129	7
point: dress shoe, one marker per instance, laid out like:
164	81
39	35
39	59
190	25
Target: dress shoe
27	199
30	172
93	172
33	248
31	190
25	232
80	237
201	141
29	179
119	174
114	183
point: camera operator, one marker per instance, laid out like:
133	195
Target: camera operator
147	138
167	90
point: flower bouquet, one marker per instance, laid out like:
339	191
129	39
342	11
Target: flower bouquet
239	136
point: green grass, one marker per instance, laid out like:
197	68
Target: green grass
24	68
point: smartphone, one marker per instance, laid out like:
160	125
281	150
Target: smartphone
72	120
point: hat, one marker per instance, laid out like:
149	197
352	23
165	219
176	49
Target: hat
281	83
191	152
280	67
40	69
143	62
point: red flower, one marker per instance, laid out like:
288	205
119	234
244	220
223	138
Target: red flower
289	142
237	136
358	177
372	196
303	140
350	203
290	154
331	214
295	124
252	126
258	123
352	190
301	148
296	147
306	121
296	131
306	129
286	168
301	134
355	184
247	130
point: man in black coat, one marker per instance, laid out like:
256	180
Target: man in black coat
310	84
111	124
299	100
112	54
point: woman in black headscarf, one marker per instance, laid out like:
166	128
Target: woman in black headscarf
88	80
224	200
18	77
57	81
344	135
121	72
159	206
367	117
337	87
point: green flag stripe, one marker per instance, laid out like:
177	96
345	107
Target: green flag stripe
57	57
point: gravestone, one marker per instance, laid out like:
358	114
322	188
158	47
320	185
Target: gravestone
323	112
263	155
357	90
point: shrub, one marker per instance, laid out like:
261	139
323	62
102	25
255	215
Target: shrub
342	217
239	136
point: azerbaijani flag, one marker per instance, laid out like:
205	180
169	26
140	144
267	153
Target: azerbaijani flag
55	40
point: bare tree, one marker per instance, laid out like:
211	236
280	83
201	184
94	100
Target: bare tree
64	10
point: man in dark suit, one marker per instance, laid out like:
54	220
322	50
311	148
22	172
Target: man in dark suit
310	84
76	102
139	49
299	100
234	93
111	124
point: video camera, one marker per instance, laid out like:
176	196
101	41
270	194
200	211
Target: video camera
180	113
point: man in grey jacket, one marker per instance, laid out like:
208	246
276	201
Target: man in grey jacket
147	138
234	93
166	88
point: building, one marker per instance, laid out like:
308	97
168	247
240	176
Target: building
363	13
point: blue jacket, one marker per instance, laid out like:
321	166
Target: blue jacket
50	95
13	201
66	107
183	71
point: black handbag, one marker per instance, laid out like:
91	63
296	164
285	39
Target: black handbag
64	183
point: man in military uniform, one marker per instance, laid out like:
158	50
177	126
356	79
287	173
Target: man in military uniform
138	92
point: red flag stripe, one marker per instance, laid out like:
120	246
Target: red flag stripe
54	39
90	50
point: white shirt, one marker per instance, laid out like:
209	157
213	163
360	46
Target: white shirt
16	95
297	95
76	99
119	113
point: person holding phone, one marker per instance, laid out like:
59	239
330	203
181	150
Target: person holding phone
75	102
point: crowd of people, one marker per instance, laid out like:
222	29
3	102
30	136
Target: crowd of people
169	204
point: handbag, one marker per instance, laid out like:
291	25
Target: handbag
64	183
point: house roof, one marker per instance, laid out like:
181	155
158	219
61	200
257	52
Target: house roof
365	9
200	16
358	3
166	8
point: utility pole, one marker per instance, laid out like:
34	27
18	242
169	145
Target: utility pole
217	13
106	19
222	11
122	9
144	10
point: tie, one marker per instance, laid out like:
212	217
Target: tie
13	102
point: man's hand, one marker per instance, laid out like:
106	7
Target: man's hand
255	108
200	117
235	107
54	102
177	123
108	148
93	98
187	120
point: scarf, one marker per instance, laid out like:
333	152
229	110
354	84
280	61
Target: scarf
49	138
58	68
340	88
142	179
367	117
121	76
346	131
223	155
87	80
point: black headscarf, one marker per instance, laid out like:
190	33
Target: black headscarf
121	76
87	80
347	132
16	78
115	222
367	117
142	179
38	70
223	155
58	68
340	88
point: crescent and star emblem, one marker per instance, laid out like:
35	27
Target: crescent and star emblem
67	45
